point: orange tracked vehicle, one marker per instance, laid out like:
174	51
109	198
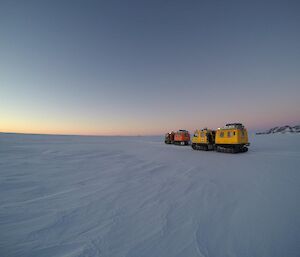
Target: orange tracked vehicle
182	137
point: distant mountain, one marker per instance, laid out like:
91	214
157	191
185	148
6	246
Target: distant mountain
282	130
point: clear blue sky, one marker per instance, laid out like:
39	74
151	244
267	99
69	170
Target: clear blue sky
146	67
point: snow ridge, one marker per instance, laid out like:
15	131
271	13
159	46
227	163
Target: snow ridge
283	130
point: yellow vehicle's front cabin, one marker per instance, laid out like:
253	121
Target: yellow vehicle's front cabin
203	139
232	138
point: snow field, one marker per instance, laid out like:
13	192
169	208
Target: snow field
136	196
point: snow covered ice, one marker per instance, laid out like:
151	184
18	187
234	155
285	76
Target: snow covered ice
136	196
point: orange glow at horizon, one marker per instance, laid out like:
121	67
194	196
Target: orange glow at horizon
124	129
121	125
76	129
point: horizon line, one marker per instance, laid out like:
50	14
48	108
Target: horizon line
83	135
115	135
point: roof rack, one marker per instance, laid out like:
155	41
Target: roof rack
234	125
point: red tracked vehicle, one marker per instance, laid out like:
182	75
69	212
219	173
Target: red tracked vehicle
182	137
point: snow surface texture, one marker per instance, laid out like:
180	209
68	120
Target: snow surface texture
136	196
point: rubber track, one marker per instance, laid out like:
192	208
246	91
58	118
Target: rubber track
200	147
231	150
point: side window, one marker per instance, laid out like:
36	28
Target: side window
228	134
243	134
222	134
234	133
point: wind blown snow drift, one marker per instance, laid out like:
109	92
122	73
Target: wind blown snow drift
136	196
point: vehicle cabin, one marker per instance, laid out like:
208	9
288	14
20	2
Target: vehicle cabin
204	136
203	139
232	134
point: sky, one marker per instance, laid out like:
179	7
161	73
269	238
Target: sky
147	67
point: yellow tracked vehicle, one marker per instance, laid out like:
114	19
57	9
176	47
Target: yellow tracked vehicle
233	138
203	139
